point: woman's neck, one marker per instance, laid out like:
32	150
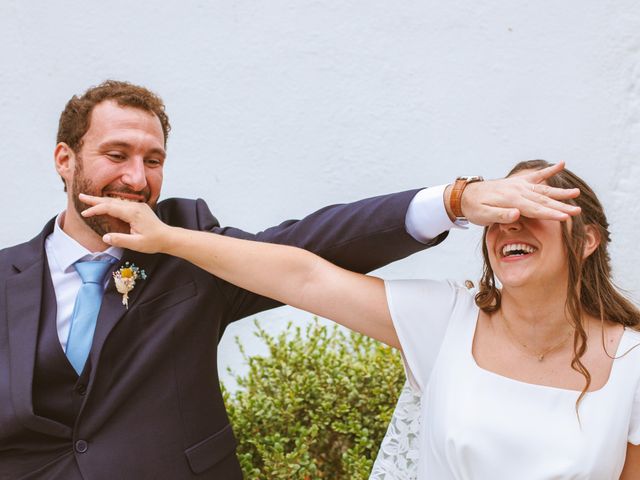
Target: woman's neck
537	316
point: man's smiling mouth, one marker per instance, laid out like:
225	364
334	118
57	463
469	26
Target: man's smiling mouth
127	197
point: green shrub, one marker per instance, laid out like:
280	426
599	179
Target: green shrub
317	407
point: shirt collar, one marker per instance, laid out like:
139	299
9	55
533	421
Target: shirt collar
67	251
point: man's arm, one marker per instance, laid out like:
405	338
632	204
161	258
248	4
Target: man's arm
371	233
360	236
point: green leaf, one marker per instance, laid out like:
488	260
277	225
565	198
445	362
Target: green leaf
317	407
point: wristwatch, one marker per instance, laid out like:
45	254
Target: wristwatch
455	200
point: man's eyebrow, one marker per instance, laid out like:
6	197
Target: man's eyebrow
121	144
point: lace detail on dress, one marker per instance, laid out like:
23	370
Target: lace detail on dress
398	455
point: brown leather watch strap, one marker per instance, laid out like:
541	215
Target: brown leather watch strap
455	201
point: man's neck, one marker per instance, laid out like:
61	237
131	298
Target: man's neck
74	226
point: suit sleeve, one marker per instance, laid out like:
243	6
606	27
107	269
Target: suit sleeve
359	236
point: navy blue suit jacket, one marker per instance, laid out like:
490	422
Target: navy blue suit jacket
153	407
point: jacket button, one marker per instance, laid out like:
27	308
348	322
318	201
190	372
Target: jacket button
81	389
81	446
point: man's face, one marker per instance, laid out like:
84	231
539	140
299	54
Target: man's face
122	156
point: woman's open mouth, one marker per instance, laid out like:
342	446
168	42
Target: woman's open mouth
517	250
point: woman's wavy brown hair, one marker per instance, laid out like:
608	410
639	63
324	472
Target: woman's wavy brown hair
590	287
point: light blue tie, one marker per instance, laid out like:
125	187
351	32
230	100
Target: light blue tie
85	311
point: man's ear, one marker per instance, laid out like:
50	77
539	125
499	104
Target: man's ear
591	240
65	160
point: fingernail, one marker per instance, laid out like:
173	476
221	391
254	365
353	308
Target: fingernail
106	238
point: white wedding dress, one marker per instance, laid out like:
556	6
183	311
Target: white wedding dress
482	425
398	455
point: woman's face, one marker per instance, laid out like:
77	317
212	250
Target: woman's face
528	252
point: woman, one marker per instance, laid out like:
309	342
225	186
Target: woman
535	380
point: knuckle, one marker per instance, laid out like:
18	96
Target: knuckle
544	200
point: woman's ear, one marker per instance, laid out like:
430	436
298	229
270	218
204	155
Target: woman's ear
591	240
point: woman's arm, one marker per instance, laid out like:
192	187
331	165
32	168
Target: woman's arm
631	470
287	274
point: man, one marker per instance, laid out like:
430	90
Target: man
124	384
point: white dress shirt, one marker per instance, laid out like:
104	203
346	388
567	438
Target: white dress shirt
427	216
62	252
426	219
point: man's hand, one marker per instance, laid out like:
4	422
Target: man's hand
506	199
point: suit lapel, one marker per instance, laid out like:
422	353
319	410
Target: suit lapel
112	311
23	302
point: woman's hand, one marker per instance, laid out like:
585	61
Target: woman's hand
287	274
148	234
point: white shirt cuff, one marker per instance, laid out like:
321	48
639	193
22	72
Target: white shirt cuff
427	216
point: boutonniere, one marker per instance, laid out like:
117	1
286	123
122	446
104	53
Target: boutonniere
125	279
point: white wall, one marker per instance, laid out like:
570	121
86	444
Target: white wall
281	107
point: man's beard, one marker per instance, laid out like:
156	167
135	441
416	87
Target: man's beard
101	224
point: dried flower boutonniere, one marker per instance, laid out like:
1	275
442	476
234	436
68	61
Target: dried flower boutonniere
125	279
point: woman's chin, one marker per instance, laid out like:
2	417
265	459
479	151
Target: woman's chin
515	279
